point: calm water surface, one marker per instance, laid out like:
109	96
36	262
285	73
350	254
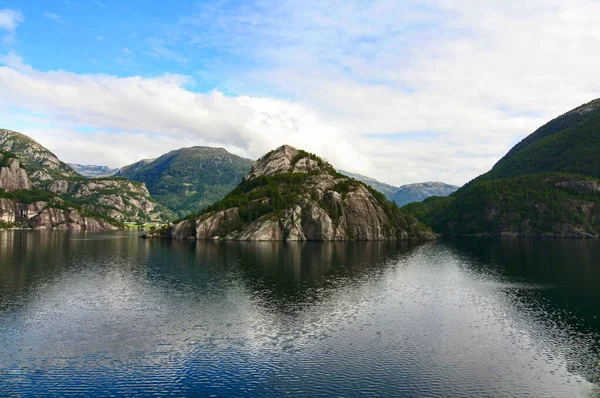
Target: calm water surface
112	314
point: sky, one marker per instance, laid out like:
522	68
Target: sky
402	91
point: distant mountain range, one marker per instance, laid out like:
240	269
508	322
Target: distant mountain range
547	185
92	171
406	193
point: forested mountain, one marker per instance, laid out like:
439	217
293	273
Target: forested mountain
546	185
188	179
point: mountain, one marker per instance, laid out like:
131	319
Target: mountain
293	195
418	192
92	171
388	190
406	193
188	179
568	144
547	185
37	190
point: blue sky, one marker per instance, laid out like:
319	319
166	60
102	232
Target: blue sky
404	91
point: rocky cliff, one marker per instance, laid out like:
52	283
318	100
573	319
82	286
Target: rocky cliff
292	195
24	206
36	182
12	176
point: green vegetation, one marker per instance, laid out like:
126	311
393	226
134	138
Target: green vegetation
263	195
189	179
28	196
532	204
520	194
5	156
568	144
33	156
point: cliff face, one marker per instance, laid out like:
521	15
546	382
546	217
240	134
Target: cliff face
53	215
22	205
294	196
47	193
12	176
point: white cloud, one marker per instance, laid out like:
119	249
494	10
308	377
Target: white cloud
54	17
361	80
9	20
168	115
480	74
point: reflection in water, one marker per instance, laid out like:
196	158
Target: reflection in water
113	314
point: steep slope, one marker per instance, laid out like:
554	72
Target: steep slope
53	182
568	144
418	192
93	171
188	179
292	195
547	185
24	206
388	190
42	165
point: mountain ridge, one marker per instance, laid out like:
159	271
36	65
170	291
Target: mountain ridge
188	179
537	189
293	195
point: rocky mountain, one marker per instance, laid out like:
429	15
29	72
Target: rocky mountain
547	185
388	190
406	193
93	171
293	195
418	192
39	191
188	179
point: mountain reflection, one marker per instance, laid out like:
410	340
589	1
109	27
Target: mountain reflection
459	317
280	274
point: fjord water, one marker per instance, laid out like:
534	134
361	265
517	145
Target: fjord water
112	314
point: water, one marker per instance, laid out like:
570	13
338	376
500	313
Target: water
112	314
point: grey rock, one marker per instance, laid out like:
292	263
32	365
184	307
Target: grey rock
13	177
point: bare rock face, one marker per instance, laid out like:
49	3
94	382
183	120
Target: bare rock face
59	186
46	216
305	200
117	198
13	177
581	186
366	219
276	162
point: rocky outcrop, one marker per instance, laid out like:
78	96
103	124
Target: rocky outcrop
13	177
35	158
48	216
116	198
304	199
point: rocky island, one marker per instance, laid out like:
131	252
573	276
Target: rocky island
292	195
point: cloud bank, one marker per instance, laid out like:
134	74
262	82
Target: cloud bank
401	91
